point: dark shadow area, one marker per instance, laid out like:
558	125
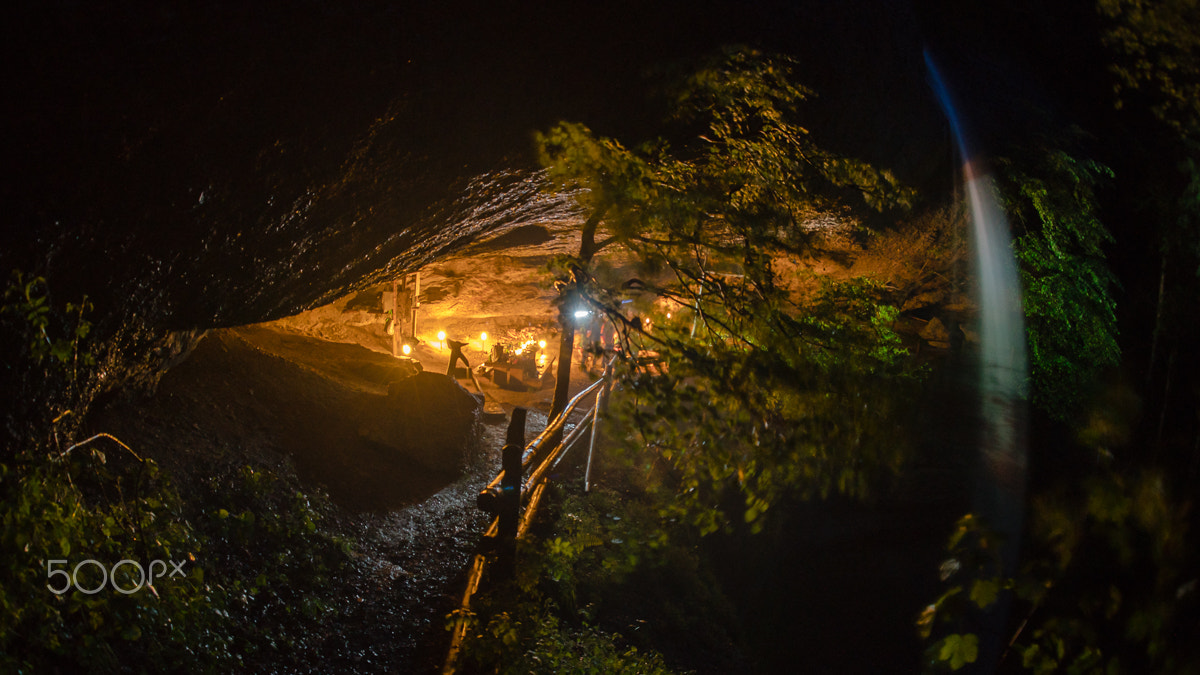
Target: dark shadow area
836	586
230	400
526	235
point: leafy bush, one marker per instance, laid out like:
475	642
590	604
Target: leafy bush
47	518
270	557
749	391
775	403
606	585
1070	313
253	565
1108	584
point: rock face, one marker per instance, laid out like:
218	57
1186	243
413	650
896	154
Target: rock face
935	333
433	418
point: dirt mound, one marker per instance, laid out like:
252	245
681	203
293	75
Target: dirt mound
325	406
434	418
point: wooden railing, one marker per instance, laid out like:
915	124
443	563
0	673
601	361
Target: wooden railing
514	501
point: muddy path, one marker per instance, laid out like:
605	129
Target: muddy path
298	406
233	399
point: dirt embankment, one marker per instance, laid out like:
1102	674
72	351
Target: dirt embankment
261	394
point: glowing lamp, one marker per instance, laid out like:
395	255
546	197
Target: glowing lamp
541	344
580	313
406	349
441	336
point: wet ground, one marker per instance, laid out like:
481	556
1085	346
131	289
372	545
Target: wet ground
300	395
302	406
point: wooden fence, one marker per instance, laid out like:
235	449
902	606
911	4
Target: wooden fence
514	494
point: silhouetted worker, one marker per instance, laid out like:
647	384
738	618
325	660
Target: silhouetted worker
957	337
456	353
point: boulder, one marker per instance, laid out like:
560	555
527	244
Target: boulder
935	333
433	419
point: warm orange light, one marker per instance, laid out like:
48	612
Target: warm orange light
541	344
483	337
441	336
406	349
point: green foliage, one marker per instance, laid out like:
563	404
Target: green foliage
755	150
547	645
48	360
256	585
605	557
269	555
1158	57
599	542
1105	587
1156	49
765	405
958	650
1070	314
751	389
28	298
256	568
47	517
752	169
609	180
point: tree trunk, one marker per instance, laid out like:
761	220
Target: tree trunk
1158	319
587	239
562	382
1163	405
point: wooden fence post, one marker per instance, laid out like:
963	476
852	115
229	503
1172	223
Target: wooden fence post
510	485
509	516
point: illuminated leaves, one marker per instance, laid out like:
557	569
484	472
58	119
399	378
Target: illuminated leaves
48	517
1099	591
959	650
50	335
984	592
754	397
748	104
1070	313
782	405
1158	57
